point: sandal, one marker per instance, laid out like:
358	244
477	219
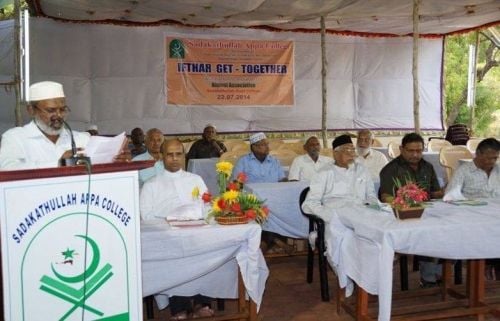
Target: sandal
203	312
179	316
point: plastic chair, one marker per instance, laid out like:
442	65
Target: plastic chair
296	147
472	144
377	143
393	149
457	134
317	224
449	157
436	145
274	144
236	144
285	157
327	151
232	156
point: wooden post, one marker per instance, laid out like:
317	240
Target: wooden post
416	97
324	132
17	62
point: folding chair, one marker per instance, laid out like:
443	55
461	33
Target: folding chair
317	224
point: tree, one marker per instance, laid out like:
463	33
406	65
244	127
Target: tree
488	88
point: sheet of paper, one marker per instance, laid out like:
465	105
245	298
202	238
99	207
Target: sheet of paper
103	149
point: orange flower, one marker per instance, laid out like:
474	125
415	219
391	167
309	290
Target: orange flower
235	207
242	177
206	197
221	203
251	214
233	186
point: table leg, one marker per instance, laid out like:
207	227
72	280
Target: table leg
362	305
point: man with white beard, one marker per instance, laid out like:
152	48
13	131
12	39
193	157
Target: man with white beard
372	159
45	140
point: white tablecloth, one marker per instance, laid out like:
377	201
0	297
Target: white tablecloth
283	201
202	260
361	242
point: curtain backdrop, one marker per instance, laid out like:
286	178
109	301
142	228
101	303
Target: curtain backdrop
113	77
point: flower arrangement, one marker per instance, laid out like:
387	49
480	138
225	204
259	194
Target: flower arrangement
409	195
233	202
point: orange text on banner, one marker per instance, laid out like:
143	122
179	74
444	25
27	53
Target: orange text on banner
229	72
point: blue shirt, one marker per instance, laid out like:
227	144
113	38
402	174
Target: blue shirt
147	173
269	171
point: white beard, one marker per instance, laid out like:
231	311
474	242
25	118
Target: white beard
363	151
47	129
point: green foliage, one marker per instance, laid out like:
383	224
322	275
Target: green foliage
487	91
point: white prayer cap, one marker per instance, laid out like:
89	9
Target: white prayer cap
209	125
46	90
92	127
257	137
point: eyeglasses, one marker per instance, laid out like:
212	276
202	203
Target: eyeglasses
348	150
54	110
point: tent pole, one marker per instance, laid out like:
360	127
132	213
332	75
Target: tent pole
416	97
324	132
17	62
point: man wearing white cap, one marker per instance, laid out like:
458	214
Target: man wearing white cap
45	140
208	146
258	165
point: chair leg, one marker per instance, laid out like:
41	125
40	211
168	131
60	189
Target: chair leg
221	304
149	307
323	276
403	271
458	272
310	256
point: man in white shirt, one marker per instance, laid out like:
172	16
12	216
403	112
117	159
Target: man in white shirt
372	159
345	183
154	139
175	192
479	178
304	167
45	140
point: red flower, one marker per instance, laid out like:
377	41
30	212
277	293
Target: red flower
250	214
221	203
233	186
206	197
235	207
242	177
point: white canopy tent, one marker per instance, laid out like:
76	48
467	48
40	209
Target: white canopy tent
114	75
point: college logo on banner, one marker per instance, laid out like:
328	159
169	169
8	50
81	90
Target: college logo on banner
70	282
229	72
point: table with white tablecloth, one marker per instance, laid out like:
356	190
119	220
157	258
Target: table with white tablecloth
202	260
283	201
361	242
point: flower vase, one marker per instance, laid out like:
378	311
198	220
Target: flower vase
231	220
408	213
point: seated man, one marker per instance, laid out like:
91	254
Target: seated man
208	146
479	178
165	194
258	165
345	183
154	139
410	165
304	167
136	145
373	160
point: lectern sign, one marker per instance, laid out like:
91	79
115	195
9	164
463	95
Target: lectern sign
70	251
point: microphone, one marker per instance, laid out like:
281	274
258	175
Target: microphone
75	159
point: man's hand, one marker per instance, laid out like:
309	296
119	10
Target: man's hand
69	153
123	156
217	147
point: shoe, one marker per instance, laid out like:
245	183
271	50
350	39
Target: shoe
179	316
203	312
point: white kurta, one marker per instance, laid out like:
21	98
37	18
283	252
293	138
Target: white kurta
339	187
171	194
304	168
27	147
374	162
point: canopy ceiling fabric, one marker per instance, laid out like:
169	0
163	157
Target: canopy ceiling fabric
376	17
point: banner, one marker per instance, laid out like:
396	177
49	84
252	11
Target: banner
229	72
61	262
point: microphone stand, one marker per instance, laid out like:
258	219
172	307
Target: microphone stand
75	159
